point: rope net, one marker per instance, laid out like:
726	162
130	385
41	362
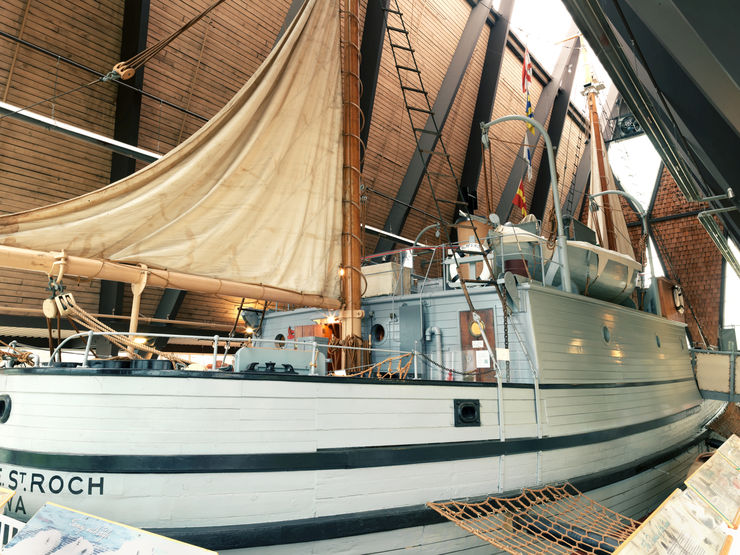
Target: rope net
549	520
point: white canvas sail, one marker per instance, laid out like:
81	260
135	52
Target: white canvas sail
609	218
254	196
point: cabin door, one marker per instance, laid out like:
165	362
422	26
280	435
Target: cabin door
475	356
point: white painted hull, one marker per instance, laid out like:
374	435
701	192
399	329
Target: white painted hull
238	461
633	497
126	417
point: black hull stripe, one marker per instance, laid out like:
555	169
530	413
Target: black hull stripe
608	385
220	538
323	459
262	376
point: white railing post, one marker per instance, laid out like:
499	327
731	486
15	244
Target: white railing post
314	358
88	348
215	351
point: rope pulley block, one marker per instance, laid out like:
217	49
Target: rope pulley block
55	286
124	71
65	304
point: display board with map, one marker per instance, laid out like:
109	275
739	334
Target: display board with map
700	520
59	530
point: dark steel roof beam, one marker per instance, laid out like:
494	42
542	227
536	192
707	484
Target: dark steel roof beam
110	302
681	142
134	33
698	126
167	309
371	53
699	38
295	6
128	101
555	129
484	103
574	198
441	109
541	112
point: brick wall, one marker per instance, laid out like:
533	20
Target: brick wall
689	257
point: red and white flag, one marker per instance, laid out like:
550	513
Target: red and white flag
526	71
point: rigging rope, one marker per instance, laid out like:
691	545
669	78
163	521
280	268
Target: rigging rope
193	80
52	98
9	78
401	370
68	307
83	67
127	69
14	355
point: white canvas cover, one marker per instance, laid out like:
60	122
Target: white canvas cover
608	202
254	196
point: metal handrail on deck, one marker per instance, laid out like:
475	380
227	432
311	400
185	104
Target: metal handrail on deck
216	341
561	237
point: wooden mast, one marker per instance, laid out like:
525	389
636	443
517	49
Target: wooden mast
351	233
608	236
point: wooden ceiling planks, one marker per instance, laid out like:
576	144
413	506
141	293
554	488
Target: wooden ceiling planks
201	71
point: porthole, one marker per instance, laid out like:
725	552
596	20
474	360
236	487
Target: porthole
4	408
606	334
378	333
467	412
280	341
657	341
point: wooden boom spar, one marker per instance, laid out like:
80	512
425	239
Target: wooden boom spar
52	263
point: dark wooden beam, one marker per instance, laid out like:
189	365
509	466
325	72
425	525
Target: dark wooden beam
541	112
134	33
111	298
443	103
128	101
169	305
371	52
484	103
555	128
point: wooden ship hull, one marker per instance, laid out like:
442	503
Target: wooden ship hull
278	455
315	463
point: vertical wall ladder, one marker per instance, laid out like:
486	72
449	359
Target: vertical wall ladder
427	133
